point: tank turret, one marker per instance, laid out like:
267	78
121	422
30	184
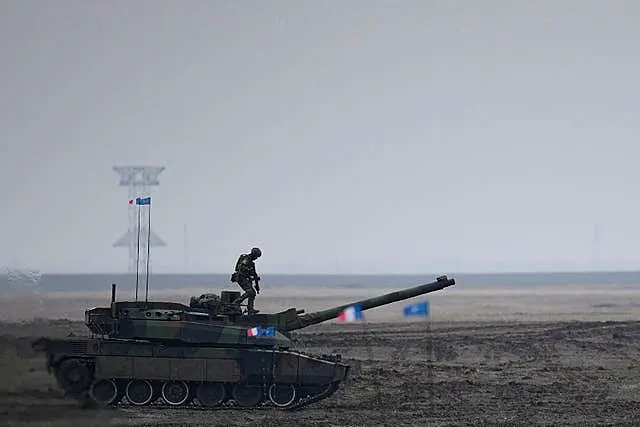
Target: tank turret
208	353
215	320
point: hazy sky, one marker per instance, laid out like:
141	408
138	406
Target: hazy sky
339	136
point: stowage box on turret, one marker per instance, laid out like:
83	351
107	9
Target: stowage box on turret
207	354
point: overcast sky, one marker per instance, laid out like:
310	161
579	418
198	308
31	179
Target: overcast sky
339	136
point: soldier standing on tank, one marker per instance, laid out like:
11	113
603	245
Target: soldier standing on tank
244	275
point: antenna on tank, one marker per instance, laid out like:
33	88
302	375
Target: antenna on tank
113	300
138	253
143	201
146	294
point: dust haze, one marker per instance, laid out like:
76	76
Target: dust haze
340	137
551	302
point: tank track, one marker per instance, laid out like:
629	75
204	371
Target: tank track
195	405
81	390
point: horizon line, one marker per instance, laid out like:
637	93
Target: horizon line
513	272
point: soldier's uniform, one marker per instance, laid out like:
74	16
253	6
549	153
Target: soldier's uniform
244	275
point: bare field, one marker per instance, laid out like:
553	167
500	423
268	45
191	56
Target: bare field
451	304
538	356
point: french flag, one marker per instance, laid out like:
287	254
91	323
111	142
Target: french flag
351	314
253	332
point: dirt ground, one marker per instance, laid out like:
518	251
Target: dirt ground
560	357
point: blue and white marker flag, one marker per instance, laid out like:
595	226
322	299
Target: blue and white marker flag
420	309
141	201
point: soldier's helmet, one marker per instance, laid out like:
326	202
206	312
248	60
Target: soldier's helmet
256	253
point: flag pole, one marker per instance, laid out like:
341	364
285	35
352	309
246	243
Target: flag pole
422	309
138	250
430	355
146	297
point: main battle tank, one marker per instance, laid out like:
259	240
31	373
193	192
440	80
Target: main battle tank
207	354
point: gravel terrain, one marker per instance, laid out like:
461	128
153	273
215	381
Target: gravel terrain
481	372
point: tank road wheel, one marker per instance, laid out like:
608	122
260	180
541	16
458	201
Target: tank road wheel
211	394
247	395
73	376
175	393
282	394
139	392
104	391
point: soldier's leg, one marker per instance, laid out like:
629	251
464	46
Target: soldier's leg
245	284
241	298
251	293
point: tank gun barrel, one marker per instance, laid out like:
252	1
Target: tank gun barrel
366	304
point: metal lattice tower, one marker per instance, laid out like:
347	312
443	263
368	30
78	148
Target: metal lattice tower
138	179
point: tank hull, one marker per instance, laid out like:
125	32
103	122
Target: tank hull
127	372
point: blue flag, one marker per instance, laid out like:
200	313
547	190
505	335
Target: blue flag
141	201
417	309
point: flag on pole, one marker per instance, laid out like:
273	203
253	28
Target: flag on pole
351	314
253	332
140	201
417	309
